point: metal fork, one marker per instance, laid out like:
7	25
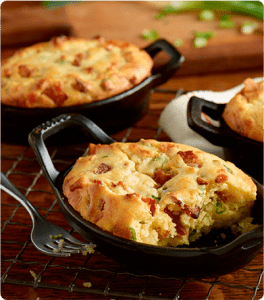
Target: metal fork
48	238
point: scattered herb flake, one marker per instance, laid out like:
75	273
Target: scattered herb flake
57	236
150	34
60	61
156	158
202	190
87	284
105	156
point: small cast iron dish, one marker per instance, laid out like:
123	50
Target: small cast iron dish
245	153
203	259
111	114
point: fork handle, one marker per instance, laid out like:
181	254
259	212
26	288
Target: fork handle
9	188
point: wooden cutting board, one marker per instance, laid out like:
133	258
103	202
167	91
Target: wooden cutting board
229	50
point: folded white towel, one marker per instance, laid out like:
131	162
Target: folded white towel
173	119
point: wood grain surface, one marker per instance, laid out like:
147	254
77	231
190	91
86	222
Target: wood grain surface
126	20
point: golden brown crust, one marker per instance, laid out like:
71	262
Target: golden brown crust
70	71
158	193
244	112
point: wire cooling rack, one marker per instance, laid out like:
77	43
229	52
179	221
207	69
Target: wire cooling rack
25	266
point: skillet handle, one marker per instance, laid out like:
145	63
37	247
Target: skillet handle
39	134
163	73
221	135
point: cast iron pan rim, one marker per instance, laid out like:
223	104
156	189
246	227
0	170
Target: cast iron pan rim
257	233
144	84
55	178
219	108
66	109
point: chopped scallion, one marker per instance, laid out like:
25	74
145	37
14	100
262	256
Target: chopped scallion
205	35
248	27
206	15
219	208
156	198
199	42
133	233
150	34
228	169
156	158
178	43
226	22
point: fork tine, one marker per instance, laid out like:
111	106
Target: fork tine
54	245
49	251
75	241
73	247
63	250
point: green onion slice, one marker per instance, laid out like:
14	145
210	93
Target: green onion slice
150	34
219	208
178	43
206	15
156	198
133	233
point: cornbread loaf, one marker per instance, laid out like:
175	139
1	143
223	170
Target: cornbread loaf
159	193
244	112
70	71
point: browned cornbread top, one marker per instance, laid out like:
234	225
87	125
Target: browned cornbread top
157	192
244	112
70	71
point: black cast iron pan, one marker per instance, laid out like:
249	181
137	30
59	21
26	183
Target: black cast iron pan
112	114
246	153
203	259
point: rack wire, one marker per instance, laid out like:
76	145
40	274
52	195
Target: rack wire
109	279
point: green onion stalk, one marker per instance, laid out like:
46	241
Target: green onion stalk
250	8
59	3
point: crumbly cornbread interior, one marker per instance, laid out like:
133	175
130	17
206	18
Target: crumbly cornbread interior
159	193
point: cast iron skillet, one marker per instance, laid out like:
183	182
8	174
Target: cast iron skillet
112	114
246	153
203	259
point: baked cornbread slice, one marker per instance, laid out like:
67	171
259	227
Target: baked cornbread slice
69	71
244	112
158	193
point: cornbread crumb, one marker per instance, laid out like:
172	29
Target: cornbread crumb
87	284
34	275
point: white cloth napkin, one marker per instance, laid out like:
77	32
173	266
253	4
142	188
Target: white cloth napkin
173	119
